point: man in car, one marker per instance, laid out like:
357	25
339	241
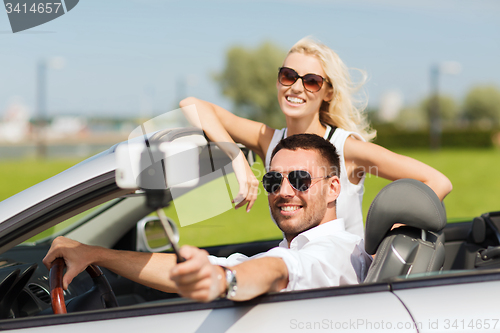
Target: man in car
303	185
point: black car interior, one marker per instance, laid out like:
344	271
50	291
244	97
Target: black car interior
474	244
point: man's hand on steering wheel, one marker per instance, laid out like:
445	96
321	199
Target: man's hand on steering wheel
76	258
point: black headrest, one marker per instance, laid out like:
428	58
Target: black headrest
406	201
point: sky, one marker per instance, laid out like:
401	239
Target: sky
128	57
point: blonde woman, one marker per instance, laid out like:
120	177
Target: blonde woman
315	94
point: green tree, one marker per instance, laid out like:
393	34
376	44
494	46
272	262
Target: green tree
448	109
249	80
482	106
411	118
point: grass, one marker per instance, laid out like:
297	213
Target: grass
18	175
472	173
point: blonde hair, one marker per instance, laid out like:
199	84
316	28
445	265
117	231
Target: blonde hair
344	110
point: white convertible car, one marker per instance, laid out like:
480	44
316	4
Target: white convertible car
427	276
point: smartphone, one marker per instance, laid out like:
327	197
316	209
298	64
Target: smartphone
157	166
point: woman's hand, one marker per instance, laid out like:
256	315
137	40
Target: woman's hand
248	183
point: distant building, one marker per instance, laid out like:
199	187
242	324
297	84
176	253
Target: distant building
67	126
390	105
15	125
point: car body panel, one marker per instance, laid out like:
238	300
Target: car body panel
349	312
453	307
178	322
358	311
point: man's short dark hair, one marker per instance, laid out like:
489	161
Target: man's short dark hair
312	142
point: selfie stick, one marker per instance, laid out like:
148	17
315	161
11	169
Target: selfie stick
152	176
170	234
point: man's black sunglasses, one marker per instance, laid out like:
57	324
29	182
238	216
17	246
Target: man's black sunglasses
299	179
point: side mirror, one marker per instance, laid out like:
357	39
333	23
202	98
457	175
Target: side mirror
151	236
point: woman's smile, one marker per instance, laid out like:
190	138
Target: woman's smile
295	100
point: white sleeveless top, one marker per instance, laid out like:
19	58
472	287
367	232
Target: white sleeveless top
351	195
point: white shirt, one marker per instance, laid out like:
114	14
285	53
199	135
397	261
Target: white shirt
324	256
349	202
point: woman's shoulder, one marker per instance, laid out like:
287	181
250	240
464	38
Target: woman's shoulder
277	135
341	135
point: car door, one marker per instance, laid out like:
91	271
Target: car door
349	308
458	302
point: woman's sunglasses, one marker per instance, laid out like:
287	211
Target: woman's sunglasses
299	179
311	82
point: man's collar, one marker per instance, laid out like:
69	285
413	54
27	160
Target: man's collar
327	228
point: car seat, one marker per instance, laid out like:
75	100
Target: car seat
418	246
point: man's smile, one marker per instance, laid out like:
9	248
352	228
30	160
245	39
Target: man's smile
290	209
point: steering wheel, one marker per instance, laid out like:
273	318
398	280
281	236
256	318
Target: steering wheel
100	296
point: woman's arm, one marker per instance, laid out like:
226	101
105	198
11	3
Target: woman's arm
374	159
221	126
